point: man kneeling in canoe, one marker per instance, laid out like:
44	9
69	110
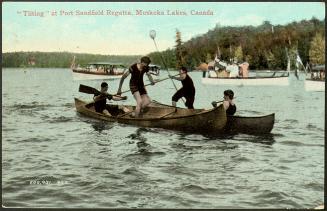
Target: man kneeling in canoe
187	91
228	102
101	99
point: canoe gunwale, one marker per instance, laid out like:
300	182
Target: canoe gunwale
86	105
247	117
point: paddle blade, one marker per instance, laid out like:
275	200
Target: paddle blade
88	89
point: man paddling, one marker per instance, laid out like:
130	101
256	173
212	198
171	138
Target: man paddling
100	100
136	84
228	102
187	91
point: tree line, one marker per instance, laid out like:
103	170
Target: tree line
263	47
60	59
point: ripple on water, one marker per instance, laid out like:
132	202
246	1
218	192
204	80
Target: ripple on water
198	190
314	127
314	186
60	119
38	140
177	169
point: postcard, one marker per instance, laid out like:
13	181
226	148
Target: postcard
163	105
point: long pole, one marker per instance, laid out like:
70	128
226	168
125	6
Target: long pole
153	35
164	63
151	83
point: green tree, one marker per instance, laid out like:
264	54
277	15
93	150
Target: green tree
239	53
317	49
180	51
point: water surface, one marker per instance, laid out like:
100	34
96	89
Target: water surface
83	162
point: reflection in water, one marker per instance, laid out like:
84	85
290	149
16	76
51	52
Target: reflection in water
143	147
267	139
101	126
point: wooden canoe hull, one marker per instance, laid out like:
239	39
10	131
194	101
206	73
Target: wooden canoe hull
250	125
241	124
186	120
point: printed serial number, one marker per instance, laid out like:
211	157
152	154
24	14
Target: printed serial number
47	182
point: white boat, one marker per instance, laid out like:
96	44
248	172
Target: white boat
316	82
98	71
314	85
250	81
216	77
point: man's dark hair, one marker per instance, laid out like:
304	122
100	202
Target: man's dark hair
146	60
229	93
104	84
184	69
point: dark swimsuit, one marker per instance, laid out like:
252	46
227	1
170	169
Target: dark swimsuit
187	91
136	83
101	104
231	109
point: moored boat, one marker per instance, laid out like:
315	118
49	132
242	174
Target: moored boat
154	69
211	121
316	82
97	70
249	81
242	124
222	73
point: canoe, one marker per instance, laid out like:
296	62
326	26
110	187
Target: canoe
210	121
250	125
241	124
250	81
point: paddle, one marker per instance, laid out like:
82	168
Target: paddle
214	103
151	84
91	90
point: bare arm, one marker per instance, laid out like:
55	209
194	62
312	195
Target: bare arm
226	104
100	97
122	81
118	98
180	78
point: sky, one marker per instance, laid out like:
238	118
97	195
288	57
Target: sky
24	28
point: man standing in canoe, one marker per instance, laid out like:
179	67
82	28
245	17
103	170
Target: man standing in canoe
187	91
100	100
136	84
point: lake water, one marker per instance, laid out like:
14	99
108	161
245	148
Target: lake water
53	157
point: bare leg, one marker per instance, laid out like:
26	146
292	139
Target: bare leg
123	108
106	112
138	99
145	100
